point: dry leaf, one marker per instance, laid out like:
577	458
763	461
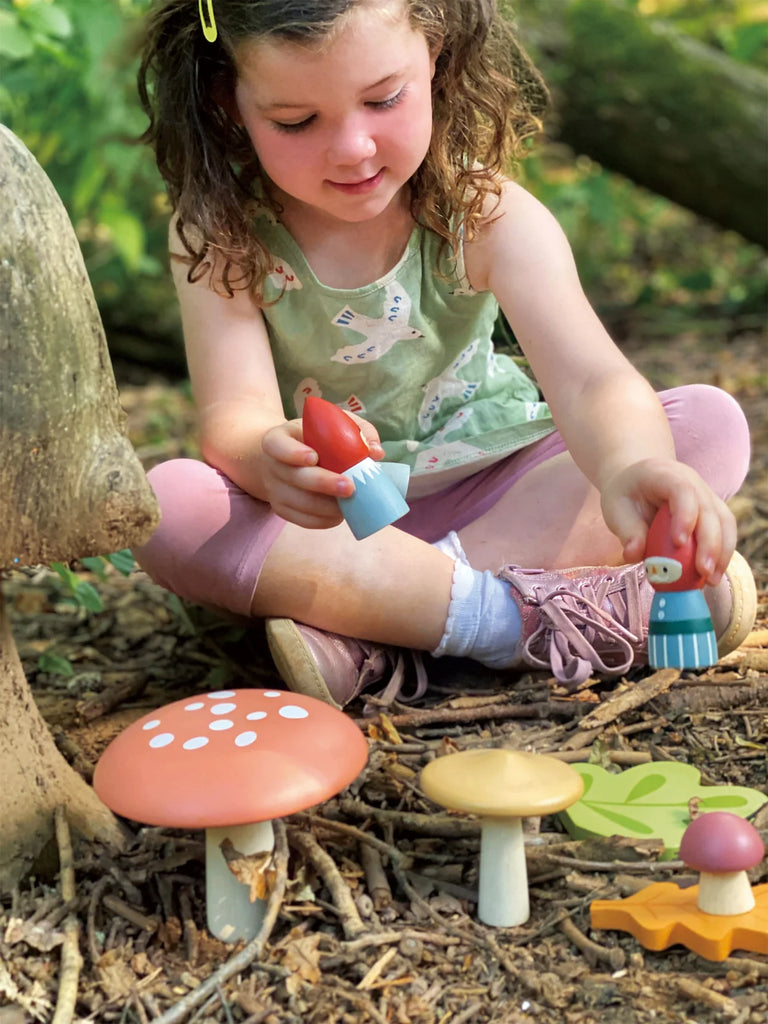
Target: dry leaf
302	959
254	870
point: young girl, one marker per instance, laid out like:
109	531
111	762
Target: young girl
344	227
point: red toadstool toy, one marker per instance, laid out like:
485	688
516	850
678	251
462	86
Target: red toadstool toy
723	846
229	762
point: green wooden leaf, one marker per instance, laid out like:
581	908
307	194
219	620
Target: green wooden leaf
650	801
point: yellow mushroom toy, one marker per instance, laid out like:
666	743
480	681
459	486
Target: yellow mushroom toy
502	787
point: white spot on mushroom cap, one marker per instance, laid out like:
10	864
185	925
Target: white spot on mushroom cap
292	711
162	739
245	739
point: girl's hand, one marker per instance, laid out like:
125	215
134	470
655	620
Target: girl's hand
296	487
630	501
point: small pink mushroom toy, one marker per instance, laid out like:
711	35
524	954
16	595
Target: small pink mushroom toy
229	762
723	846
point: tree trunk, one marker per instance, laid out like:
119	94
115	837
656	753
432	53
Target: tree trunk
641	98
36	778
70	482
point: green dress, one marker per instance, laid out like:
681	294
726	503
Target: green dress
411	353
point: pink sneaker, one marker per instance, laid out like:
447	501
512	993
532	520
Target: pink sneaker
335	668
595	619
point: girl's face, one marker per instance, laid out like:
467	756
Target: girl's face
340	127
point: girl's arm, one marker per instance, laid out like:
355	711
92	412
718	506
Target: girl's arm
611	419
243	430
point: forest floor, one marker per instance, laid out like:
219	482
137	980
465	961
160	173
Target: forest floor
384	928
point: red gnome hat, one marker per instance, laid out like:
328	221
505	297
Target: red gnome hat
659	548
334	436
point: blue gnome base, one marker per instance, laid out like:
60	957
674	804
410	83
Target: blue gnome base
680	632
378	499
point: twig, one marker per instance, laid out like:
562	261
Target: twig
593	951
407	821
701	994
132	684
382	938
71	961
338	888
632	867
248	953
375	877
540	709
130	914
630	698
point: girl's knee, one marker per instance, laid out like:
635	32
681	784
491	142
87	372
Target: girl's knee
212	539
711	434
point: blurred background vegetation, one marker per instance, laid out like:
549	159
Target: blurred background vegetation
67	88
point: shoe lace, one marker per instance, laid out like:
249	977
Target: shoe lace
587	624
377	662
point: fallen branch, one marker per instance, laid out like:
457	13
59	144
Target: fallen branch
630	697
71	960
540	709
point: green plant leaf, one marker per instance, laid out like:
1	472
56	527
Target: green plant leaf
47	19
88	597
16	43
55	665
97	565
649	801
123	561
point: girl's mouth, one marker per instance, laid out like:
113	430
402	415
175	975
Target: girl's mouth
356	188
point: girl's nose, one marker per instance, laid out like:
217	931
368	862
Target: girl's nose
351	145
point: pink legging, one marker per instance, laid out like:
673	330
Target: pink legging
213	538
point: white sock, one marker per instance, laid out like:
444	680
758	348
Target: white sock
483	618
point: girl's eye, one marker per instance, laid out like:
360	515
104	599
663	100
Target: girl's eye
391	101
295	127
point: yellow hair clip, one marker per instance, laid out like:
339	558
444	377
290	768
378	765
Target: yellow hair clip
209	31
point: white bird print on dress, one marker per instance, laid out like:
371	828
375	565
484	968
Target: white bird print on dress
284	276
380	334
447	385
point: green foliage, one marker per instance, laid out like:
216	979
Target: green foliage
635	249
82	593
68	91
67	88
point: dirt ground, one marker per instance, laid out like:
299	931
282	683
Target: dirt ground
372	914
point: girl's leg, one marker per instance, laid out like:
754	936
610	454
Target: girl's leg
550	516
218	546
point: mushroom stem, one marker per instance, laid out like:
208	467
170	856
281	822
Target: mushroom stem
503	882
231	914
726	893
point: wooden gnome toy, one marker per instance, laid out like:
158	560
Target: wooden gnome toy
680	631
380	487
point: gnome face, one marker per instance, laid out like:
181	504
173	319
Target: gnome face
667	566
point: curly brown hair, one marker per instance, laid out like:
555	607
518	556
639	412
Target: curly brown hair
487	101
